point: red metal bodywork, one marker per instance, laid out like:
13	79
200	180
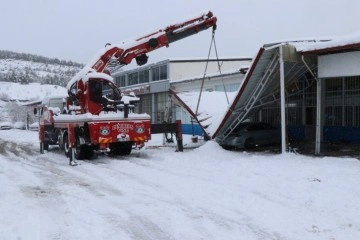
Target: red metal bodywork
118	131
85	122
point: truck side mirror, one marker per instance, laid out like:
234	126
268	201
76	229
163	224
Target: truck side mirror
35	111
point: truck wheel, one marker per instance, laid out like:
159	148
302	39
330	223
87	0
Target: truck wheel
89	152
127	148
249	143
42	148
80	151
115	148
121	148
60	142
66	144
46	146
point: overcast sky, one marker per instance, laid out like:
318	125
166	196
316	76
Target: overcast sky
77	29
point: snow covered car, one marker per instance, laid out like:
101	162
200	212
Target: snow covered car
19	125
252	134
5	125
34	126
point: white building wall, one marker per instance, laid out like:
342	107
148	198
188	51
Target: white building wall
339	65
185	70
210	84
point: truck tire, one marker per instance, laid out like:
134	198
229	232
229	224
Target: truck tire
79	152
46	146
42	148
66	144
249	143
127	148
121	148
89	152
60	142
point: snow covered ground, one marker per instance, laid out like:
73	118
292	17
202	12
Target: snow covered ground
157	193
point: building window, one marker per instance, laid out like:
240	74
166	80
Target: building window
356	116
117	81
144	76
145	105
163	72
352	86
120	81
162	113
342	99
133	78
159	73
334	86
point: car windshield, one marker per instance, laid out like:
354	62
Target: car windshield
253	126
56	103
242	126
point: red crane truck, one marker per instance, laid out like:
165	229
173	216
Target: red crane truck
96	116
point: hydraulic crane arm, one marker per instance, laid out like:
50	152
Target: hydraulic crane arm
137	49
124	53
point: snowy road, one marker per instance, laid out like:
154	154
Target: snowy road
205	193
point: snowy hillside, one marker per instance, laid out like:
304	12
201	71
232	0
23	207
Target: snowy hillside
27	68
28	92
33	71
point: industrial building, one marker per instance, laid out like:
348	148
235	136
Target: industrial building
310	88
153	81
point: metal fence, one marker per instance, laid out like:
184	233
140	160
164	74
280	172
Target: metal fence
341	101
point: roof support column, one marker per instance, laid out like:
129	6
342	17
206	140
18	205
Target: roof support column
282	103
318	130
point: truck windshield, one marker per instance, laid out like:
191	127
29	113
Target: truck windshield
100	88
56	103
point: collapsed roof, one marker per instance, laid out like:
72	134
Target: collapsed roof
261	85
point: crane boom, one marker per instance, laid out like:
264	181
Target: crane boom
123	54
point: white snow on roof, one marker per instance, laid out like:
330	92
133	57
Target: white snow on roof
298	43
350	39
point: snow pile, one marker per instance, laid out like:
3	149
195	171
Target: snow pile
212	107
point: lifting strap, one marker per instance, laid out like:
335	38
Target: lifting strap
207	62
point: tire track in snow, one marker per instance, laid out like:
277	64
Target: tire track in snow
57	187
75	190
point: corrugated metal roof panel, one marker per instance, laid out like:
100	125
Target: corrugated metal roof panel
261	86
